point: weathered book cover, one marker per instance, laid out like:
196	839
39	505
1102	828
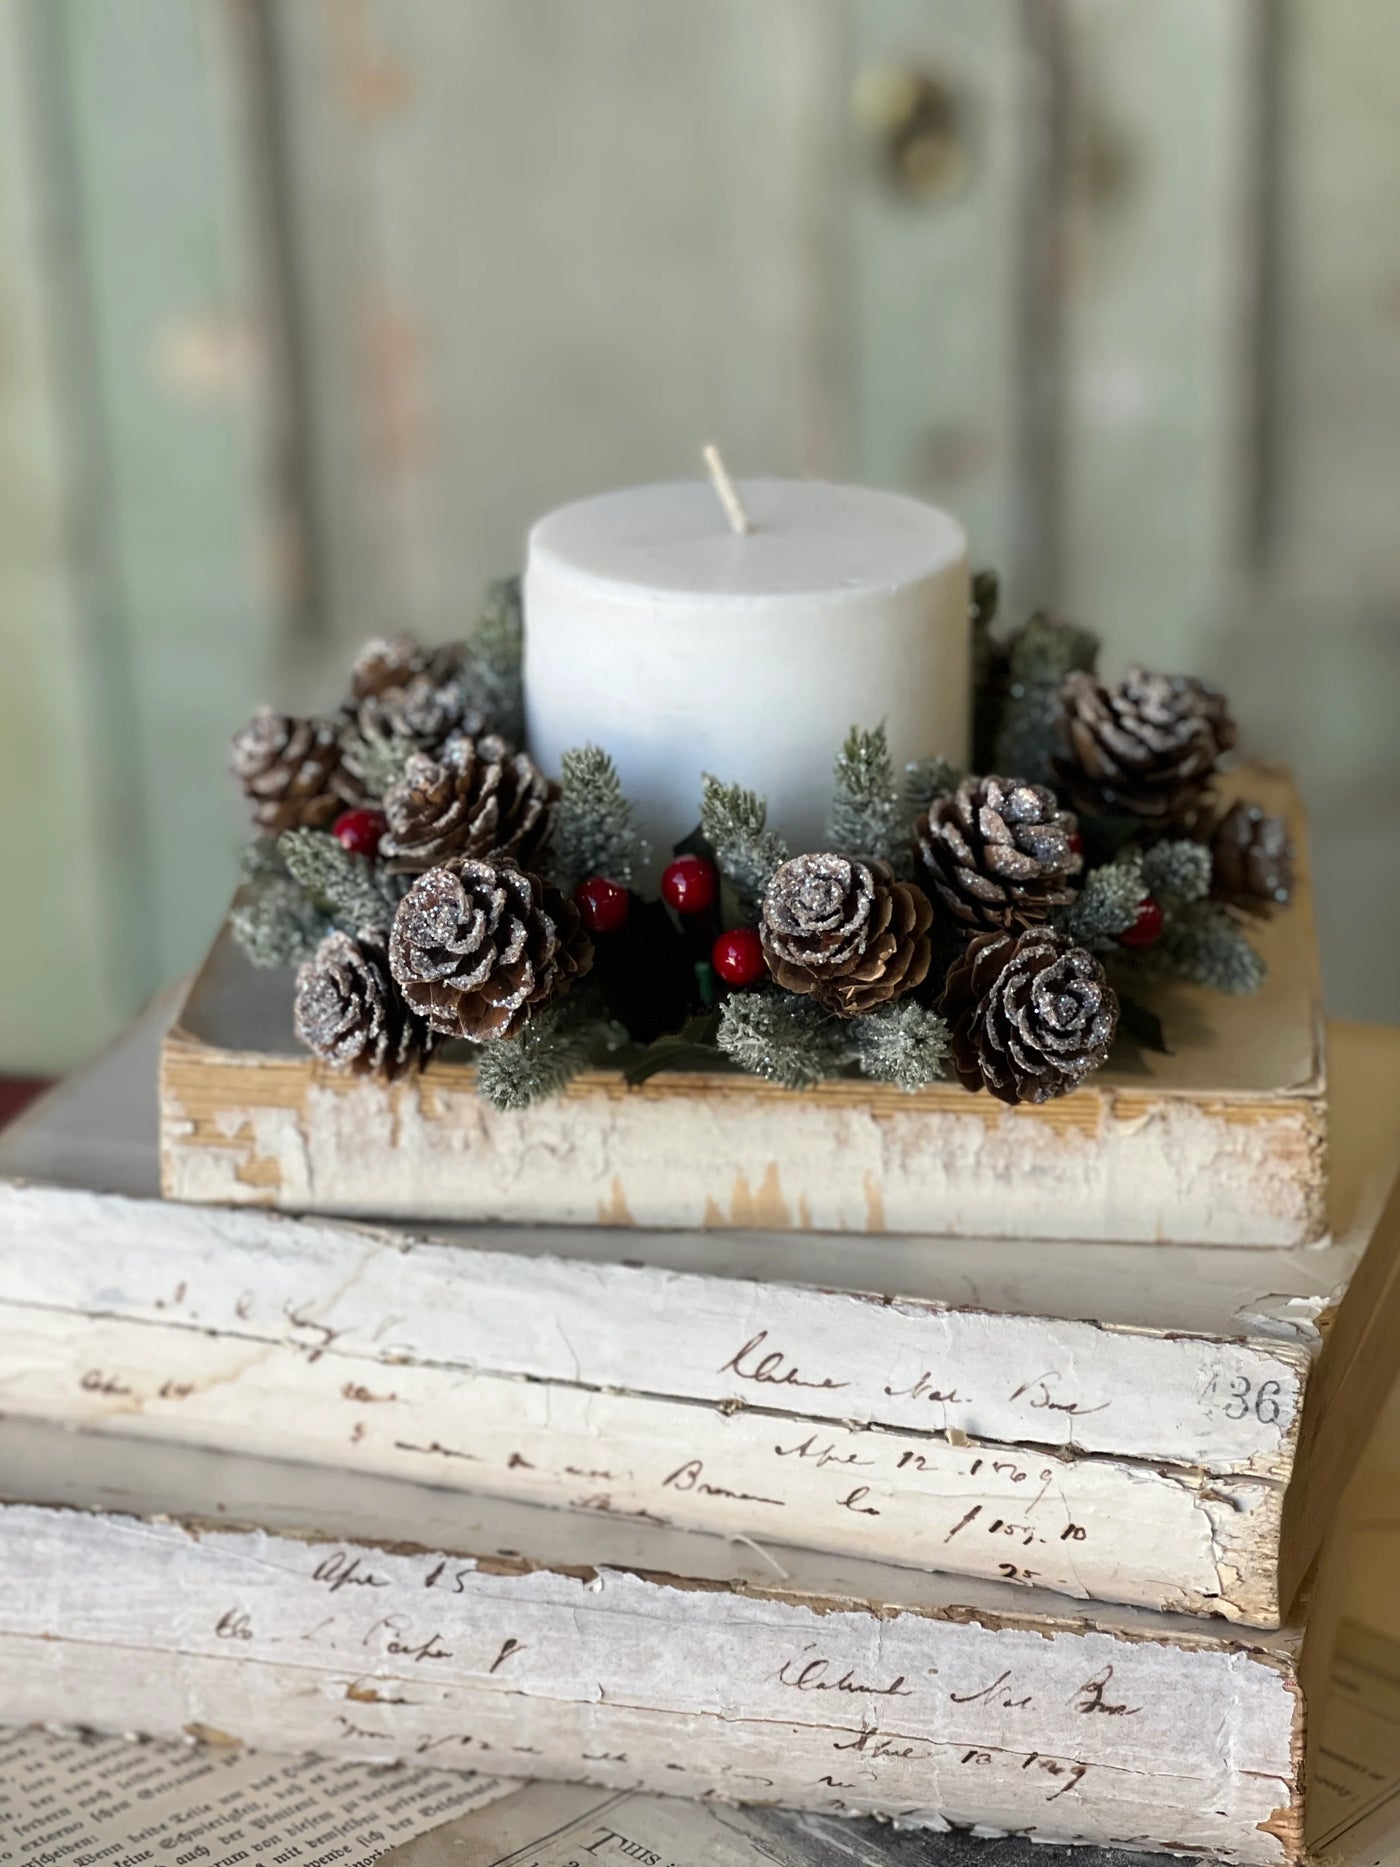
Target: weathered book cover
1108	1421
1222	1141
243	1601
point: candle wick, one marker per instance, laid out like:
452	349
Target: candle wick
725	491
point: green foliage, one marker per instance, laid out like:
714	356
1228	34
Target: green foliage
1202	942
277	924
926	779
1177	870
782	1038
594	834
491	673
904	1043
513	1072
1107	905
1038	657
377	760
867	809
790	1041
354	891
734	822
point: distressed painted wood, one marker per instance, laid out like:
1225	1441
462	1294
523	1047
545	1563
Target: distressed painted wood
1221	1141
480	1635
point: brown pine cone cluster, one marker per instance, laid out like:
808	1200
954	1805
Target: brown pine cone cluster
347	1012
844	933
292	772
998	853
476	798
1146	747
1029	1015
478	945
1252	860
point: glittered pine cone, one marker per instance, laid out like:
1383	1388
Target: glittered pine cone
1146	747
425	711
478	945
1252	860
292	772
998	853
348	1013
1029	1015
476	798
844	933
392	661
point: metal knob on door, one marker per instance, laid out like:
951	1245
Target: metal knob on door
917	128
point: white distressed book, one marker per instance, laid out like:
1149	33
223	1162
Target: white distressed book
1113	1422
1222	1141
172	1592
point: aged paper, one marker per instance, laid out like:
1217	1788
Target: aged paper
78	1801
1356	1787
555	1825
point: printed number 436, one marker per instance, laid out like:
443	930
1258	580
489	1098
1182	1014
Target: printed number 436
1244	1397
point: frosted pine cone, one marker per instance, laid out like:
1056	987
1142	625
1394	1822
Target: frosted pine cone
1252	860
845	933
1029	1015
478	945
391	661
348	1013
292	772
477	798
1146	747
998	854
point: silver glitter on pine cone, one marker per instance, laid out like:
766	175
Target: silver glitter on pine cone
292	772
478	945
1029	1015
1146	747
845	933
476	798
347	1012
997	853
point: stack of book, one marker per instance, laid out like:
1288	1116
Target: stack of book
1021	1533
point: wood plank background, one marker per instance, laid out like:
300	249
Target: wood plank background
308	306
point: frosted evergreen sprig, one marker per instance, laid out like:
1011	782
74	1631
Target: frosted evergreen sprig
278	924
1177	870
734	822
1202	943
867	815
926	779
1038	657
904	1044
1107	905
782	1038
511	1073
378	760
491	669
594	833
789	1040
357	892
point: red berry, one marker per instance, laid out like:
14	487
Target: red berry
690	884
1146	930
604	905
359	831
737	956
1076	842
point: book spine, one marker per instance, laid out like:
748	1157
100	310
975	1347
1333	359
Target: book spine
632	1680
1219	1405
1084	1526
244	1128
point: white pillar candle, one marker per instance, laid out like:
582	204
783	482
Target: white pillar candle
654	630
